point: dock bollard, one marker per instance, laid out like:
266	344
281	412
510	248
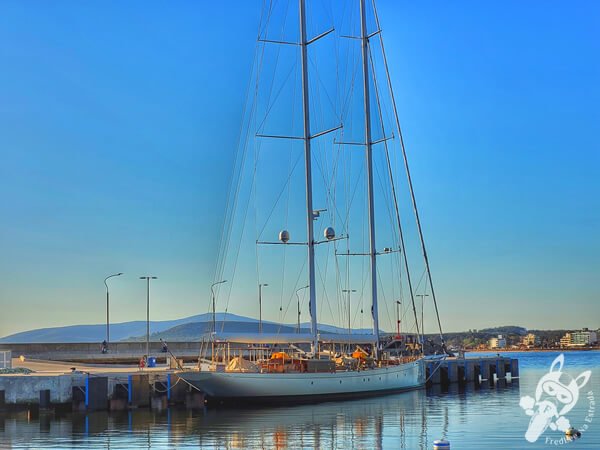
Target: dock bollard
441	444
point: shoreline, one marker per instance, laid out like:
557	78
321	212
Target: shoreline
589	349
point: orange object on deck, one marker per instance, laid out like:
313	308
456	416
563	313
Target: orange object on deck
359	354
280	355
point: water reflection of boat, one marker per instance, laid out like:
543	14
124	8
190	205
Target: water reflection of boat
408	421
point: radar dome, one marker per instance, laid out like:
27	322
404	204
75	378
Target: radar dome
284	236
329	233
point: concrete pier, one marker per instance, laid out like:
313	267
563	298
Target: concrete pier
104	387
470	370
91	388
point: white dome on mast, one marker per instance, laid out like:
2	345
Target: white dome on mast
284	236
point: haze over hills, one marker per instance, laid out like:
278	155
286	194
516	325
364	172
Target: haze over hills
186	329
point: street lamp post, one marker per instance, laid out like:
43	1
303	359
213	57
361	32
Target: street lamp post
398	303
147	278
298	297
214	309
108	307
422	316
260	286
349	291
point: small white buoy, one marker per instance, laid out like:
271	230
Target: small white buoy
284	236
441	444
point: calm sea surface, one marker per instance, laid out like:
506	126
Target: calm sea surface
469	418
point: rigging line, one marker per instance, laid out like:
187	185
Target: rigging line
335	166
337	64
324	292
354	191
328	254
391	179
322	85
392	284
329	12
287	209
348	101
385	302
420	280
277	54
412	193
262	17
273	100
319	158
244	222
387	201
362	296
337	279
241	150
396	207
253	197
240	157
300	273
281	192
423	311
325	182
282	282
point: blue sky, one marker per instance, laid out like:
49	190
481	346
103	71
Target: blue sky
118	126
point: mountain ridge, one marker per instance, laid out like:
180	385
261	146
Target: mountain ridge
135	330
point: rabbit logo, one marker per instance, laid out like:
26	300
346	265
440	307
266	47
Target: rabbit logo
555	395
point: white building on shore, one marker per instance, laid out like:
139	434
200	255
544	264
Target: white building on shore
497	342
580	338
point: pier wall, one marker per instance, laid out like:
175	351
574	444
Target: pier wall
133	389
25	389
91	352
471	370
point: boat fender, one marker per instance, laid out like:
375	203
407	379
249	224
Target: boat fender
573	433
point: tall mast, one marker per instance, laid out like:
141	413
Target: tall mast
369	154
307	163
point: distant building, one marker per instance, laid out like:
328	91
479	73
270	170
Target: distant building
566	341
580	338
584	337
530	340
497	342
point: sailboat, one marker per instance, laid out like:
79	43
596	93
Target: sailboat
267	366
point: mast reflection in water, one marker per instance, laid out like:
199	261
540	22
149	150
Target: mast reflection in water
408	421
471	418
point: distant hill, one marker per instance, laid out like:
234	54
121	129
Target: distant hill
507	329
188	328
192	331
118	331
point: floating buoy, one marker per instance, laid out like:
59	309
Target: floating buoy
441	444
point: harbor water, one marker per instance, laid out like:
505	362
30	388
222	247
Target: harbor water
468	416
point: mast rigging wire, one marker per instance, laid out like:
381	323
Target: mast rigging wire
409	180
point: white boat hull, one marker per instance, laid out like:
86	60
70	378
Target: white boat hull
278	386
